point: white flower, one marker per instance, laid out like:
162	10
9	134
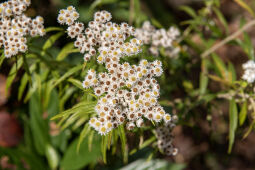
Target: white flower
127	93
158	38
14	26
249	71
102	36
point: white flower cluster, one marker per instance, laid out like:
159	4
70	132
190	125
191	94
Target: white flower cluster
14	26
165	138
101	37
249	71
158	38
128	93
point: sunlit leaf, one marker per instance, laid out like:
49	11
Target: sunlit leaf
233	122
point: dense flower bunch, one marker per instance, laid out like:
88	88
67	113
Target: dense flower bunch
127	93
249	71
14	26
158	38
101	36
165	137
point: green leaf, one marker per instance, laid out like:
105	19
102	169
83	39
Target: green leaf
85	131
2	57
203	82
220	66
24	82
52	40
90	140
67	49
155	164
39	127
77	83
156	23
74	161
243	113
53	105
232	72
233	122
251	126
67	74
189	11
245	6
221	18
104	148
248	46
49	29
67	94
85	106
147	142
12	74
52	156
101	2
123	140
22	86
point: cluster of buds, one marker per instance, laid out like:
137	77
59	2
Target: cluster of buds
249	71
165	137
158	38
14	26
101	36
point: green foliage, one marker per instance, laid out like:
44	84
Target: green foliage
54	108
73	160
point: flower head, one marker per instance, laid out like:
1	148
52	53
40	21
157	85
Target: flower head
158	38
101	37
14	26
249	71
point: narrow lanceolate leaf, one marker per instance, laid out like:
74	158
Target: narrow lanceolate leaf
245	6
12	73
251	126
189	11
77	83
233	121
123	140
104	147
243	113
39	127
22	86
67	49
49	29
221	18
67	74
52	40
147	142
85	105
101	2
203	82
220	66
232	73
2	57
85	131
90	140
52	156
